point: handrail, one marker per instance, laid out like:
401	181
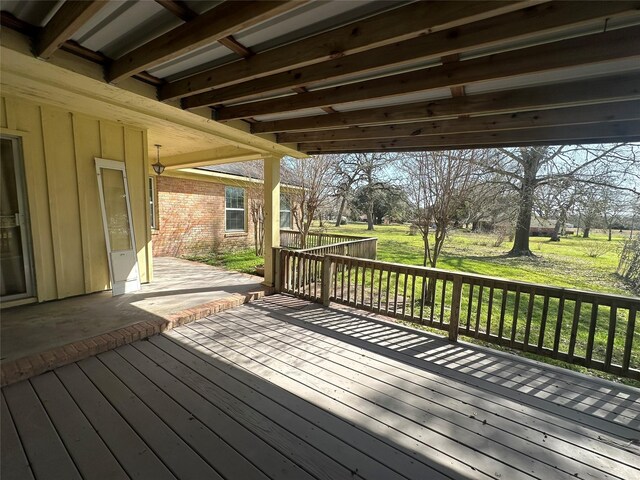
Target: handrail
596	330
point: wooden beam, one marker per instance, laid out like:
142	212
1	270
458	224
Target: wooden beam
609	112
515	26
586	50
583	92
219	22
567	134
399	24
182	11
65	22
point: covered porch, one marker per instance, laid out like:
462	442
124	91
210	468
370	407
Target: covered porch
284	388
36	338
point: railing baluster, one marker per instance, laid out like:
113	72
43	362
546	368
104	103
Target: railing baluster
469	306
489	311
355	288
628	344
574	328
413	293
372	287
527	325
386	307
478	311
395	293
516	311
404	295
543	323
559	319
613	317
364	276
443	301
592	332
422	299
503	310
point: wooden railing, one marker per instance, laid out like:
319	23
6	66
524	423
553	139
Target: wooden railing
323	244
591	329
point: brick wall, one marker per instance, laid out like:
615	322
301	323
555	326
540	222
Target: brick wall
191	218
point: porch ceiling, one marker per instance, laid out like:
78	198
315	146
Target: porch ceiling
341	76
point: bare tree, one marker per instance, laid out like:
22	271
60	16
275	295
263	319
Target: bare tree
375	176
348	172
525	169
311	179
438	184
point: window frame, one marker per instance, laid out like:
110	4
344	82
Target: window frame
285	199
236	209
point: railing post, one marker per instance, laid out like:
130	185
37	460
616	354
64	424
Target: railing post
327	277
277	268
454	320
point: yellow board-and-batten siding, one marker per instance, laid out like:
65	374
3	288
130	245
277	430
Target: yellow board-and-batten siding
59	150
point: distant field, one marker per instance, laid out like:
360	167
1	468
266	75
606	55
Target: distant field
564	264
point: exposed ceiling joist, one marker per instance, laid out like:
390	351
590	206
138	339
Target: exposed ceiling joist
608	112
584	92
586	50
217	23
182	11
396	25
65	22
514	26
568	134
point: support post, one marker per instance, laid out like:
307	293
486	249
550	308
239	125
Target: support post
454	320
327	278
271	216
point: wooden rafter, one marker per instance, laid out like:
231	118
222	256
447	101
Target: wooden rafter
514	26
182	11
396	25
566	134
65	22
586	50
583	92
608	112
217	23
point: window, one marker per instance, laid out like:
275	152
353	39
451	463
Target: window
153	218
285	212
234	209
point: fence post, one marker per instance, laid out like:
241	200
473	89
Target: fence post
454	320
277	269
327	277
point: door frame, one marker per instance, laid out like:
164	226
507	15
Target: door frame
23	216
116	165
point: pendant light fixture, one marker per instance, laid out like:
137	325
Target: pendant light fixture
158	167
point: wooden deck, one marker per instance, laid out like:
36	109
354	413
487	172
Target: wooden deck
285	389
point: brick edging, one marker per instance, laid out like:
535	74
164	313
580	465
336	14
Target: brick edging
26	367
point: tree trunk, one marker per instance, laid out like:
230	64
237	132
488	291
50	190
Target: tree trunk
555	235
609	233
475	226
521	240
585	231
531	164
370	215
343	202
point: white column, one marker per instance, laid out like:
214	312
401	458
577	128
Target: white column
271	215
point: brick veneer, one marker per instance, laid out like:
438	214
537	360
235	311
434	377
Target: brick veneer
191	218
26	367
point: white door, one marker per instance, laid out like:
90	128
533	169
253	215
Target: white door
118	228
16	279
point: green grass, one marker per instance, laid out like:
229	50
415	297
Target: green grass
240	261
563	264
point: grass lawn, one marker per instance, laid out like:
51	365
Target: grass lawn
240	261
562	264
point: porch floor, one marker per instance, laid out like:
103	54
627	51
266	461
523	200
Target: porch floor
282	388
178	285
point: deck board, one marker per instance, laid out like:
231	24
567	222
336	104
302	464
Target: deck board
424	413
286	389
47	454
543	438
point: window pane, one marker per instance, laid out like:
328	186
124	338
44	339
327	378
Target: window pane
285	219
234	197
284	202
235	220
115	205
